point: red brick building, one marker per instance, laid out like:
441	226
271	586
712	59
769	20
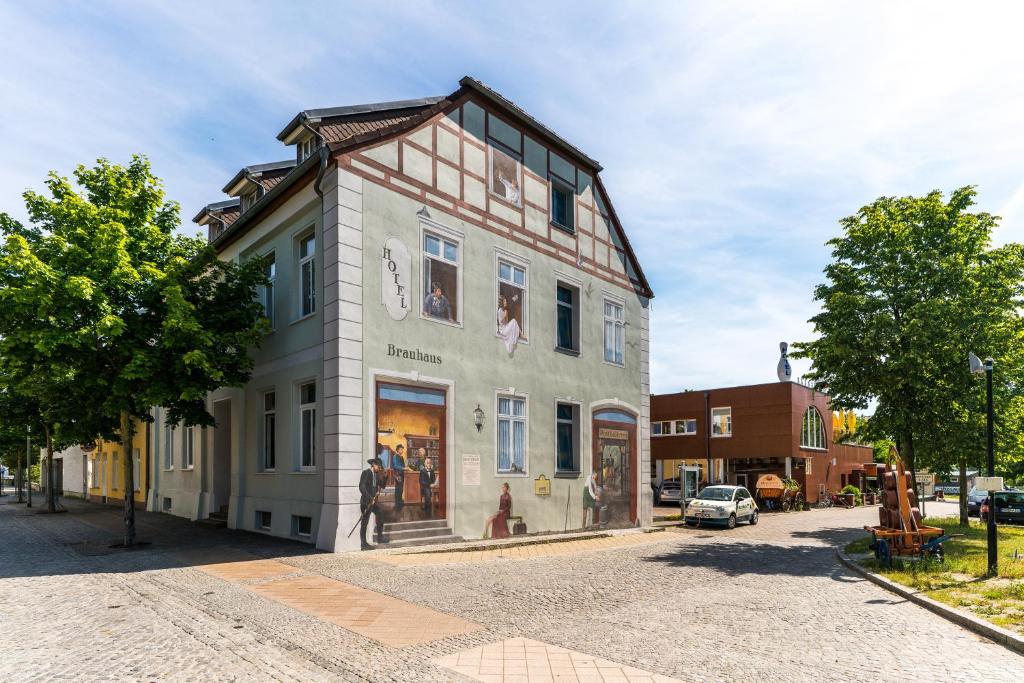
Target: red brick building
782	428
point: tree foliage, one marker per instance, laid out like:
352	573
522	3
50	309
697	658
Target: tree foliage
914	285
102	294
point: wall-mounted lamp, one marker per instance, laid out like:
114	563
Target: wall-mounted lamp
478	418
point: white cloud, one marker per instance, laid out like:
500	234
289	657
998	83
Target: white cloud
734	134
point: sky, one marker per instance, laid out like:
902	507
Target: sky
734	135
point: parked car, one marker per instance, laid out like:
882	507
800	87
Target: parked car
667	492
722	504
974	500
1009	507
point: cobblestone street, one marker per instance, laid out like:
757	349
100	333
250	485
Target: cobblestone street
690	604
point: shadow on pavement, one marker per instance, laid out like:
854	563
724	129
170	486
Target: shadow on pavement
31	541
745	558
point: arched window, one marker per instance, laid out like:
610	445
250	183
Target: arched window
812	432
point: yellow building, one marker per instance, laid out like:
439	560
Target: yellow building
106	473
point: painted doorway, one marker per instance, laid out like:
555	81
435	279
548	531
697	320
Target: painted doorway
411	443
221	456
615	462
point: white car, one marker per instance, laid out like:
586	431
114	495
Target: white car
722	504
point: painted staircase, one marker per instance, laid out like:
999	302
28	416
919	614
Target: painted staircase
427	532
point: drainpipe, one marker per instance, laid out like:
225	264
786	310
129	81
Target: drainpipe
707	432
321	146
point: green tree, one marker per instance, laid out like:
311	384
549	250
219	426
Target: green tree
914	284
143	316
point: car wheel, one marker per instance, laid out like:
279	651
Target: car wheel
753	518
731	524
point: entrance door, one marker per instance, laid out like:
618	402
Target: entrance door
411	425
615	462
741	480
221	455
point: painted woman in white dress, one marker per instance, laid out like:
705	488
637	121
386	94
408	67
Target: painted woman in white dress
508	327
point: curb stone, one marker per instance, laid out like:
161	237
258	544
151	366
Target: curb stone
1000	635
474	546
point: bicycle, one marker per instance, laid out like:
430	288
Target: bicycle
825	499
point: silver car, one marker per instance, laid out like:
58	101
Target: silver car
667	492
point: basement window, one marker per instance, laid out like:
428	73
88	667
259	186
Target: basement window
263	520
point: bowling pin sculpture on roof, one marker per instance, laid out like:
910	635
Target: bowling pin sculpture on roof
785	371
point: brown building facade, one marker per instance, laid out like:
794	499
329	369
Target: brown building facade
782	428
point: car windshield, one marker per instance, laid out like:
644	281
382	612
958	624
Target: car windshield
715	493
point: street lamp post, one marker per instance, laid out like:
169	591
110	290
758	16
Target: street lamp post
28	457
977	368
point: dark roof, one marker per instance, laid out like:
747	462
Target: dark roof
229	208
317	115
266	172
518	112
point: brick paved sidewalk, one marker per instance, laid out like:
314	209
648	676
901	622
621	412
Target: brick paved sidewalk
765	603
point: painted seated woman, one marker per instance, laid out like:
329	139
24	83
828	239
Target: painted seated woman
508	327
497	524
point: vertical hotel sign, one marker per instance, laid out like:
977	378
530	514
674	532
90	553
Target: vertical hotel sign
396	265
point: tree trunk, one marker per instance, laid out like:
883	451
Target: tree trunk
51	497
907	453
963	492
127	434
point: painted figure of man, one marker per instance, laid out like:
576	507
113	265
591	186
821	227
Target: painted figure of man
371	481
436	303
398	474
427	478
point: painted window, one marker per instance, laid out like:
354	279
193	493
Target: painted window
506	173
268	436
614	332
721	422
168	450
812	432
513	301
567	322
267	293
567	437
440	277
307	275
511	435
563	199
307	426
190	448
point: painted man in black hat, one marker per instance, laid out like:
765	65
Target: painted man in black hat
371	481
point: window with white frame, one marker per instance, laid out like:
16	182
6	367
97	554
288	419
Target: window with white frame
115	474
94	473
248	199
721	422
267	291
661	428
307	275
513	302
268	435
812	431
511	425
688	426
567	438
441	260
614	332
567	317
306	148
189	452
307	426
168	450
